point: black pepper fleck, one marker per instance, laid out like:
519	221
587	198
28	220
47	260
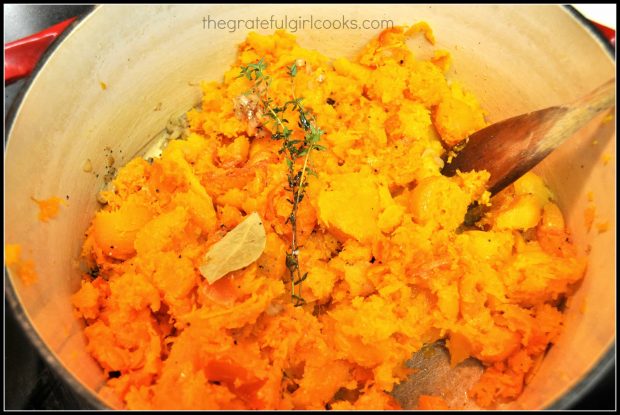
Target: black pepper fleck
94	272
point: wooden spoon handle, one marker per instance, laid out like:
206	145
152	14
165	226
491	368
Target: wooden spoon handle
509	148
584	109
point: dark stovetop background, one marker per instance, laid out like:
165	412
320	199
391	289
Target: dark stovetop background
29	382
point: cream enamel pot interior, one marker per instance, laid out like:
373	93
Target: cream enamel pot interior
514	58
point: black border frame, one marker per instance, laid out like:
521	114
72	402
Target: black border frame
567	401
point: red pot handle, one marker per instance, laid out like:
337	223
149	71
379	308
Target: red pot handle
21	56
610	34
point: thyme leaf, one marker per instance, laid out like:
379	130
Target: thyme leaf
294	150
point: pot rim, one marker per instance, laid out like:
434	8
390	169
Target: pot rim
10	294
566	401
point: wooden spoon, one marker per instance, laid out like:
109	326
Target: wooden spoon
509	148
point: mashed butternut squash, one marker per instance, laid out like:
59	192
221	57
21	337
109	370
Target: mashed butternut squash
24	268
389	267
48	208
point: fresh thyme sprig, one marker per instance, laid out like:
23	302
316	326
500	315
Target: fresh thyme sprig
293	149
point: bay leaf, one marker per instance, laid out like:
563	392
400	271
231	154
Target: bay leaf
237	249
